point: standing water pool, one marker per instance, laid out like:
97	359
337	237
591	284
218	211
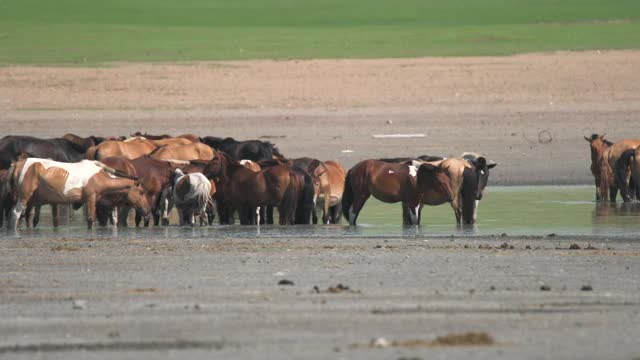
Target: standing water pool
514	210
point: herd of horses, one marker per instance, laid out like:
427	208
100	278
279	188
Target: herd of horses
209	177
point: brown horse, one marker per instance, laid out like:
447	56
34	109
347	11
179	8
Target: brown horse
606	188
392	183
192	151
245	190
156	176
330	175
171	142
620	168
48	181
190	137
126	149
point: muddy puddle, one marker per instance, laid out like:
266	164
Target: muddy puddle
514	210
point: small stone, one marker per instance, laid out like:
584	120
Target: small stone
380	343
79	304
492	288
574	247
285	282
586	288
545	288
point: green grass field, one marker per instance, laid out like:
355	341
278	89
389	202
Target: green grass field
91	32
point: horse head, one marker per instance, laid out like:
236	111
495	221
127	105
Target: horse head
432	177
481	166
598	145
138	197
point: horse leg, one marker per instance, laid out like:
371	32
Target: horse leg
314	216
269	214
413	210
36	214
123	216
54	215
90	209
16	211
613	193
336	213
242	214
26	215
356	207
326	219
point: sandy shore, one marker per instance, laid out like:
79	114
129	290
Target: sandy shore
203	297
527	112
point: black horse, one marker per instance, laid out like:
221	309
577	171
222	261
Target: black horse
254	150
70	148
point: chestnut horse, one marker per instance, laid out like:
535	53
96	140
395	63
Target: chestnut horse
192	151
48	181
606	187
330	176
190	137
392	183
157	178
244	190
126	149
620	168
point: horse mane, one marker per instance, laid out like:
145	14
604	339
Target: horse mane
150	137
276	151
269	163
156	150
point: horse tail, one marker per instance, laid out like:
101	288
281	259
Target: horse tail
92	153
606	179
306	203
347	196
289	201
468	195
621	173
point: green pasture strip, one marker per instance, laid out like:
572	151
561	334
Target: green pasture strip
93	32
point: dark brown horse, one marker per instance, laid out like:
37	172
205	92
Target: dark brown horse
244	190
157	178
392	183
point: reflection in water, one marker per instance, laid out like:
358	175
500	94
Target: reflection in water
606	212
532	210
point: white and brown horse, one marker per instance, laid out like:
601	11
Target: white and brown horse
43	181
192	194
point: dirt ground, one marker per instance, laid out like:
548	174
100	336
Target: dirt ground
346	298
527	112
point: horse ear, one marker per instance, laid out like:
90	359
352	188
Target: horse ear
602	136
481	162
491	164
586	138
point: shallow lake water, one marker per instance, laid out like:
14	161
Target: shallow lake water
514	210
